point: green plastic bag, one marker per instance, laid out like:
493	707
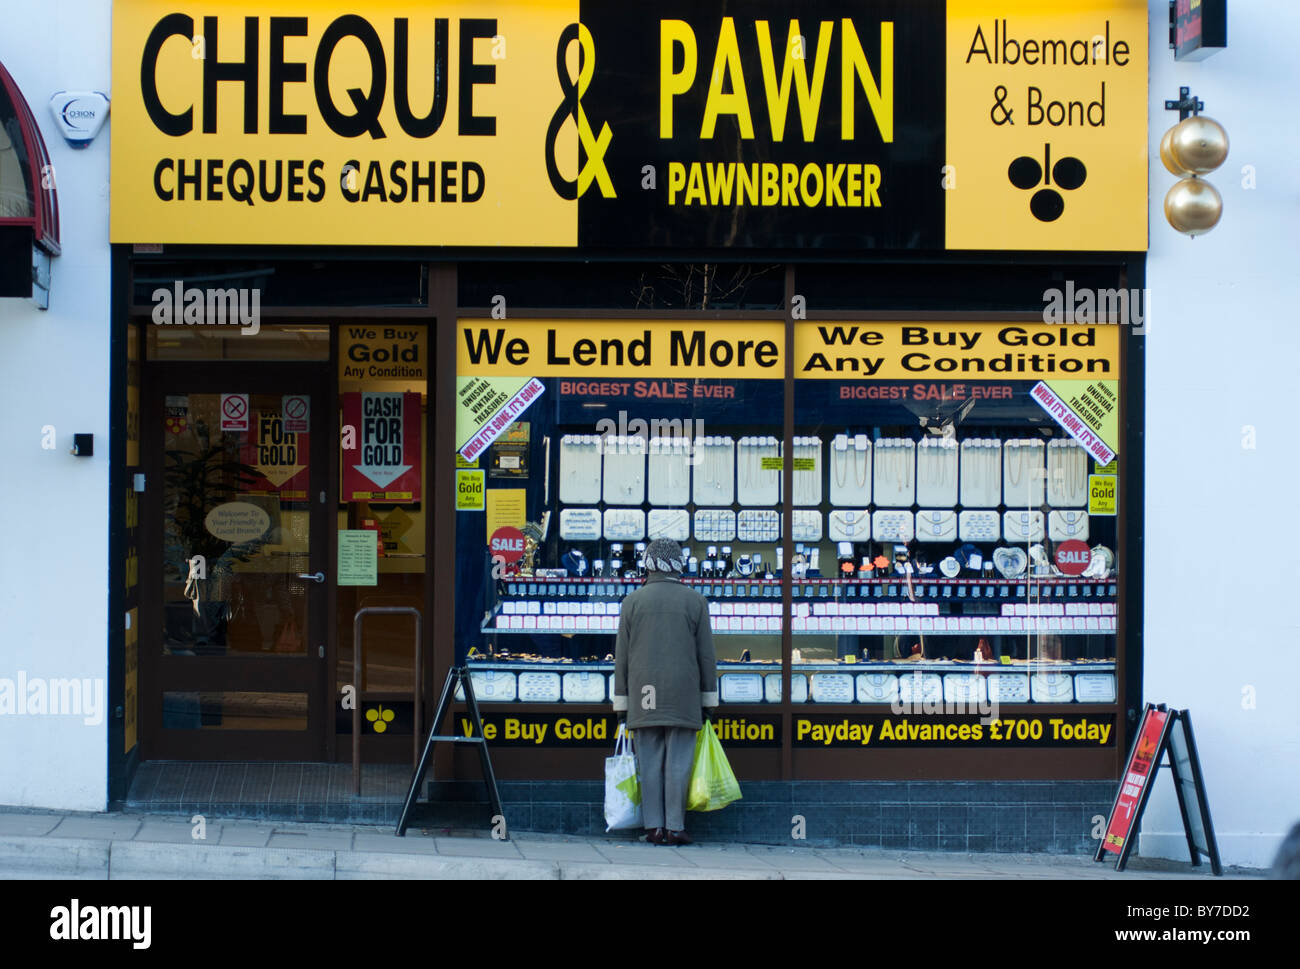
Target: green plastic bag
713	785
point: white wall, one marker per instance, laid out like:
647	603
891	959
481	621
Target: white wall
54	370
1222	574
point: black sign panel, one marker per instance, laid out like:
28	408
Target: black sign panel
1085	730
525	729
1200	28
772	127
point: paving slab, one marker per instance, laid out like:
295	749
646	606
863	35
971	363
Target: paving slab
578	871
553	851
133	859
242	835
727	858
477	847
389	844
320	840
353	865
29	857
793	859
29	825
648	855
176	832
108	827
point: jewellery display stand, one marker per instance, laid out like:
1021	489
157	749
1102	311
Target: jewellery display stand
758	525
674	523
668	480
850	470
937	525
892	526
808	483
580	469
624	470
715	525
979	526
1067	474
456	676
807	526
846	525
715	474
981	472
1065	525
580	524
1023	473
1023	526
756	485
936	472
624	524
895	472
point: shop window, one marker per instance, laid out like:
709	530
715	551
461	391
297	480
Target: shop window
383	412
617	432
961	479
237	340
296	283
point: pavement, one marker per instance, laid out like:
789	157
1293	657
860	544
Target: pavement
71	845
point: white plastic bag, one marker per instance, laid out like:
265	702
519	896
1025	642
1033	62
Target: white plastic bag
622	788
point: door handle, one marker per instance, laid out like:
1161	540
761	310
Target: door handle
316	577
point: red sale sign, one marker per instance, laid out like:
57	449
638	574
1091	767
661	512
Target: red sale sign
381	446
1137	774
507	542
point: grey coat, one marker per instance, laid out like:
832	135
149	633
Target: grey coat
665	642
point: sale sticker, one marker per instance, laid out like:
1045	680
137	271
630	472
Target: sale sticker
385	460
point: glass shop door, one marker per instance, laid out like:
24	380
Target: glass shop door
238	490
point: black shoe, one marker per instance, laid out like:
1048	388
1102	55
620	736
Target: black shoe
656	836
679	838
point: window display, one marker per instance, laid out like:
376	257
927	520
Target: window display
972	544
940	523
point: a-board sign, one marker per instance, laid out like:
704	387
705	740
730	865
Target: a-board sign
1154	736
1192	803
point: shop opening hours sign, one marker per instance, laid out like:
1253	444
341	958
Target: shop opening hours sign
381	446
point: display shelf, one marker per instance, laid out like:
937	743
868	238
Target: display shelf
862	683
534	617
826	587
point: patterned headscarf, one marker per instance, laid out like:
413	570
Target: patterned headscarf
664	555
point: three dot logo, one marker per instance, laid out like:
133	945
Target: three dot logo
380	717
1026	173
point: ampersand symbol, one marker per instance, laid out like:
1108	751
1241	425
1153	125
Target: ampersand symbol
590	145
1000	96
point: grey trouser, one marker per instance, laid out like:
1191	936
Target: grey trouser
664	756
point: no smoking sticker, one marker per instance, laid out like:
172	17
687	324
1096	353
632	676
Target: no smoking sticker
234	412
296	410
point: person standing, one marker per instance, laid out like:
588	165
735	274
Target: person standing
665	682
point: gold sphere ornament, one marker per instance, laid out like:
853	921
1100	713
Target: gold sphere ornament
1193	206
1167	154
1198	145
